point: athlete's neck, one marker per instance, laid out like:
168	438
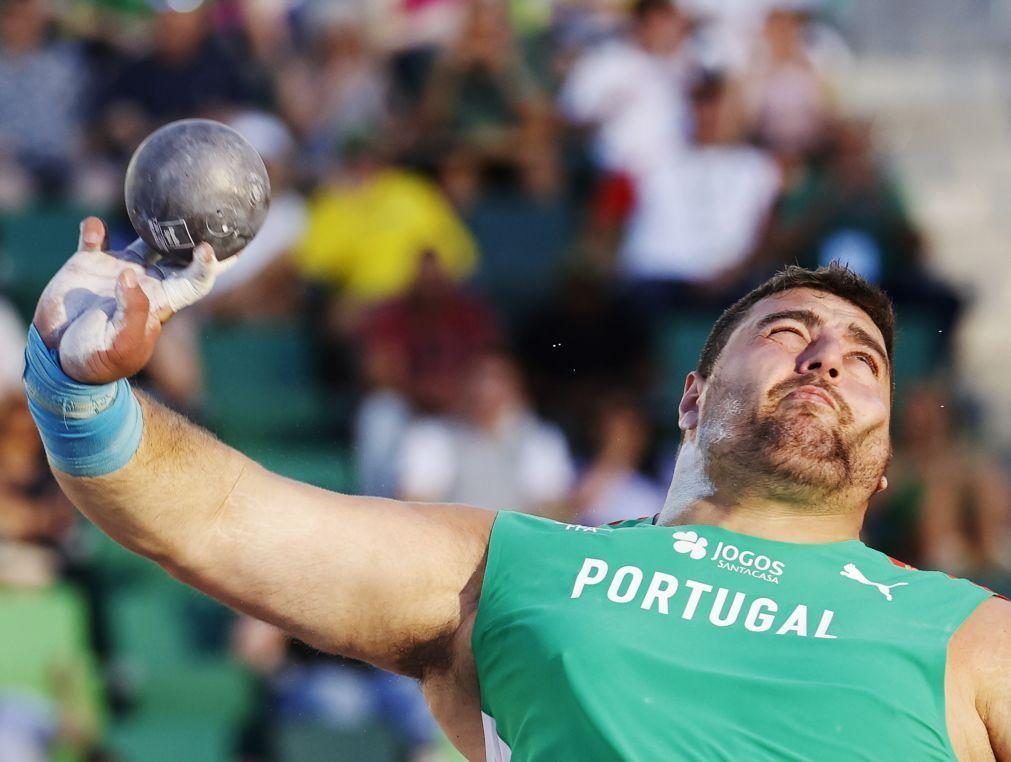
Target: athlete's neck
767	519
694	499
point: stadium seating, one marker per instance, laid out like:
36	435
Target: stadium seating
34	244
171	739
278	414
259	381
46	653
522	244
300	742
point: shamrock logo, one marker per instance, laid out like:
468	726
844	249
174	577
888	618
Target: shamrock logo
689	542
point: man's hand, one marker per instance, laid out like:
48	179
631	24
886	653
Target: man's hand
104	310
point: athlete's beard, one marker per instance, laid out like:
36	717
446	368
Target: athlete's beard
794	451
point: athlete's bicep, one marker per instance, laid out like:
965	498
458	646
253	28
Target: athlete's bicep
993	673
379	580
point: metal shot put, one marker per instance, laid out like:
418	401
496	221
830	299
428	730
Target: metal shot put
745	621
196	181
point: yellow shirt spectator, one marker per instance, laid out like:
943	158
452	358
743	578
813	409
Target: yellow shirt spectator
366	239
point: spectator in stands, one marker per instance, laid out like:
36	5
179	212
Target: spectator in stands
481	98
845	206
42	82
304	687
698	213
496	453
948	505
13	337
48	705
613	487
370	223
337	92
786	94
32	508
416	350
631	91
188	72
412	33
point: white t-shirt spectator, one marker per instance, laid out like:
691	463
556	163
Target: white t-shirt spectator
628	495
699	213
13	336
636	100
522	465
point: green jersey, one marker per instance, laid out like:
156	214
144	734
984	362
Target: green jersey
642	642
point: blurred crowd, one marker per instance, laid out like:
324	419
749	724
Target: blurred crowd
500	226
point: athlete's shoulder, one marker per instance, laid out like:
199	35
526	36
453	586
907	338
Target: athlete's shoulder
982	647
935	580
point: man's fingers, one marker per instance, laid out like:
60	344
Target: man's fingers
92	237
194	282
130	338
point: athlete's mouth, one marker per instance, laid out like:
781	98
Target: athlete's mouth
814	394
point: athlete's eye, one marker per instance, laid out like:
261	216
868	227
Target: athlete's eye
869	360
786	329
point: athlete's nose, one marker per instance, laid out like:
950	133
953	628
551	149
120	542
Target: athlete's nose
824	358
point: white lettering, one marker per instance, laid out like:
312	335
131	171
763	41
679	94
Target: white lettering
823	625
632	572
593	572
716	616
731	552
796	622
747	557
761	615
777	568
716	553
762	563
725	609
661	589
698	588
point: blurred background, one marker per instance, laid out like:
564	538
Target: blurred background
500	232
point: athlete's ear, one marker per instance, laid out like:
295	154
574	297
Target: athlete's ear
688	410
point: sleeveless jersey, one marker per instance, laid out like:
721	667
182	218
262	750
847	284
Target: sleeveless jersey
641	642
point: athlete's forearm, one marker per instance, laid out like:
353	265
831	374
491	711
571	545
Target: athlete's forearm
378	580
162	502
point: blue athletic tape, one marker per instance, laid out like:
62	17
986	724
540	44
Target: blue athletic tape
88	430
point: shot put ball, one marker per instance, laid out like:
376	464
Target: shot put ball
195	181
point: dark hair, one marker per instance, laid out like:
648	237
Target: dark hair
643	8
834	279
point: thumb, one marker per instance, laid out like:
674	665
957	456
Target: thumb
191	284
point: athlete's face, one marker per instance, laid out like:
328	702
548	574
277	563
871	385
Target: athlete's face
799	398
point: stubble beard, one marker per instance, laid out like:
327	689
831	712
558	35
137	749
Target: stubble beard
789	451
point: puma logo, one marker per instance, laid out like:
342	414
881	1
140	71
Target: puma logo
850	571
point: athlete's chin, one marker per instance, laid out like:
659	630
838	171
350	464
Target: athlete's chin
806	450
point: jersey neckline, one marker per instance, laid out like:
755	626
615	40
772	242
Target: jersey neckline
755	538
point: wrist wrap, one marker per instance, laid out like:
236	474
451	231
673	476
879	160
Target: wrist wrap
88	430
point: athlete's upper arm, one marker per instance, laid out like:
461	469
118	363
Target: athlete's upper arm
992	672
379	580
